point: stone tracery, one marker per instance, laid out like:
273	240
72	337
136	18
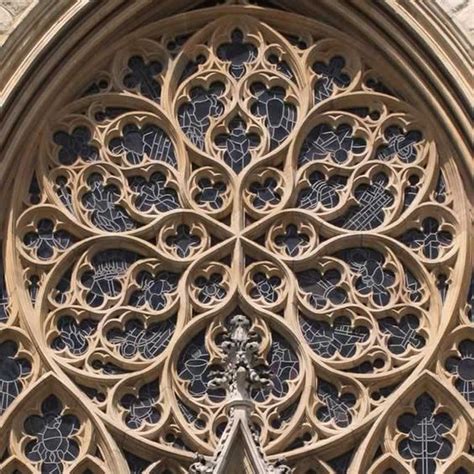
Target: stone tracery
209	182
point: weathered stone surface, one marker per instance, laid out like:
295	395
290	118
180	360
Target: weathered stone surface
10	13
462	13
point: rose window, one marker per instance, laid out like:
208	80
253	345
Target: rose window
241	174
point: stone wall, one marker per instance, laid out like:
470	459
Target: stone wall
12	12
462	13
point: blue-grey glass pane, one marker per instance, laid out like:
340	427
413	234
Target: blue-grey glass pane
103	279
149	140
153	193
430	238
154	289
183	240
284	366
210	289
337	143
74	146
265	287
73	335
338	337
150	340
102	201
237	144
34	191
372	200
193	365
142	408
210	193
323	289
378	86
279	115
440	190
402	334
425	440
142	76
238	53
12	370
33	285
372	278
135	463
330	74
281	66
321	190
45	240
63	190
462	367
264	193
292	240
411	190
413	287
194	116
336	407
52	432
399	144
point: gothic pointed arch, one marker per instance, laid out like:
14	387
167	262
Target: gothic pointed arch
235	230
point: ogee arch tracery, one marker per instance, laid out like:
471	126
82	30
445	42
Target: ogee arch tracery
237	166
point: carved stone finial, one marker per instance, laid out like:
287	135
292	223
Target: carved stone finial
241	371
276	467
279	467
202	465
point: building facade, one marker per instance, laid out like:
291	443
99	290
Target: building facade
236	238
